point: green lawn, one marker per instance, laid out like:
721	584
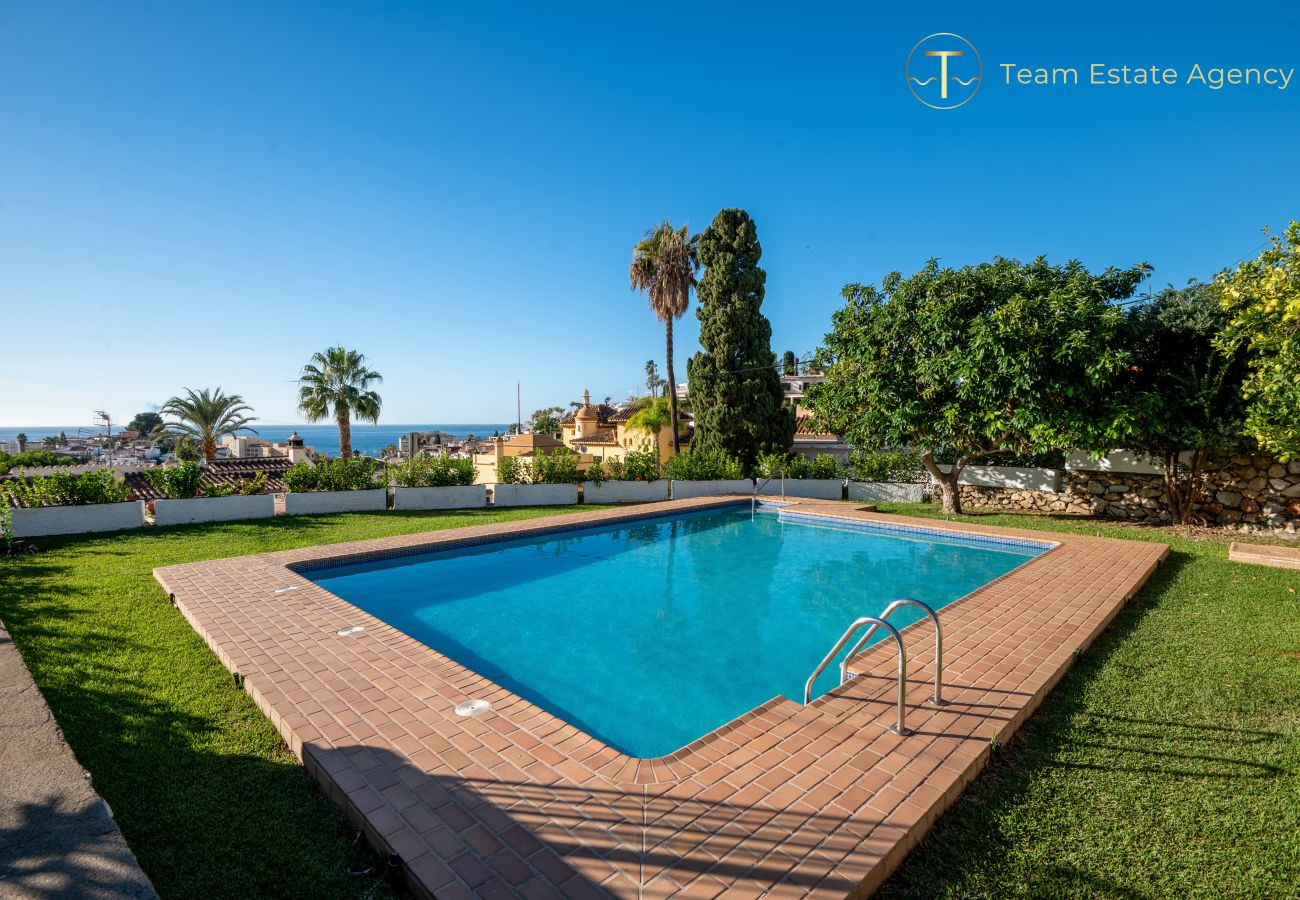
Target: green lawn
206	794
1165	764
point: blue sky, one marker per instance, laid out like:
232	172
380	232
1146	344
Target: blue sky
200	194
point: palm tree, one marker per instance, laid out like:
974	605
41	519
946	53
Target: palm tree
337	383
205	416
664	264
22	442
654	417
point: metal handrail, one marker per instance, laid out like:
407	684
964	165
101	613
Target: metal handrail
874	622
753	500
938	644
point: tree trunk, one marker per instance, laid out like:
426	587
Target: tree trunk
947	482
209	447
1183	493
345	437
672	386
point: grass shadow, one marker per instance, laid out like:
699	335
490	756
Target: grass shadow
1085	729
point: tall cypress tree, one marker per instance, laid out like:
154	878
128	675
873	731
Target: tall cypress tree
735	389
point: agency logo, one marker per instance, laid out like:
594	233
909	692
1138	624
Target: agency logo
944	71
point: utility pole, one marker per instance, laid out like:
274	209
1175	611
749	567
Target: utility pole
519	410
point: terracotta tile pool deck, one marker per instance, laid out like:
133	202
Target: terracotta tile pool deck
786	801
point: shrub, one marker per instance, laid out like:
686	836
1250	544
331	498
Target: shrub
886	465
636	465
703	465
791	465
218	490
639	465
178	482
512	470
433	471
254	485
823	466
352	474
560	466
66	489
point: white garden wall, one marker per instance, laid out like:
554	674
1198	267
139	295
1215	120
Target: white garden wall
534	494
1118	461
683	490
48	520
470	496
807	488
624	491
213	509
886	491
307	502
1046	480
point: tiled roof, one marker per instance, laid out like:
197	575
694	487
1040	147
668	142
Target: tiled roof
633	408
803	427
232	472
605	436
603	413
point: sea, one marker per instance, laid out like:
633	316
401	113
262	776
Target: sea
369	439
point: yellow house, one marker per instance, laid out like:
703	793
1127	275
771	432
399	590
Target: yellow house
600	430
525	445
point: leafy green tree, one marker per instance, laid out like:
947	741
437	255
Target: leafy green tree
186	450
1193	392
206	416
145	423
652	418
546	421
664	264
734	388
338	384
993	358
789	363
1263	296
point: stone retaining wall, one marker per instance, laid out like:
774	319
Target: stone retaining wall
1239	490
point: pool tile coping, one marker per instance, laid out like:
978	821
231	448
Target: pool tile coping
785	800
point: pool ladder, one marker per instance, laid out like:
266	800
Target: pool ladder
753	500
875	622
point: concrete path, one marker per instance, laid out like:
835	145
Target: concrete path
57	837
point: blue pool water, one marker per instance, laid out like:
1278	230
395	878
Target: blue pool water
652	633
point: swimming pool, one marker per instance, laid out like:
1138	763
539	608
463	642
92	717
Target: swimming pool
651	633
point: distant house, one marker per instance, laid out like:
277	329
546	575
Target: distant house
794	385
602	431
520	445
808	441
245	446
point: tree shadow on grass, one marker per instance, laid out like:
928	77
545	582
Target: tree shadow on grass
969	851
